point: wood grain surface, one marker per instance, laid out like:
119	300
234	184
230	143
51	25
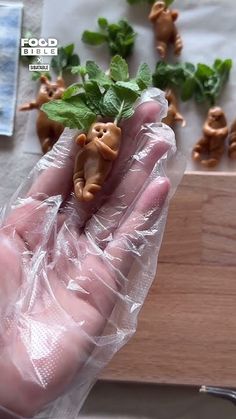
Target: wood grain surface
187	328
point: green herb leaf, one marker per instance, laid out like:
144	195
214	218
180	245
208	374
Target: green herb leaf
73	61
188	89
121	39
95	73
144	76
93	97
58	63
69	49
204	72
72	113
99	95
79	69
71	91
130	85
119	70
93	38
118	102
65	59
202	82
119	36
102	22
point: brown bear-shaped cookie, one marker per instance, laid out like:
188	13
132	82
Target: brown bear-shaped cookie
173	115
232	141
210	147
165	28
99	148
48	131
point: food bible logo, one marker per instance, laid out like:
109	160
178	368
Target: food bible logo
38	49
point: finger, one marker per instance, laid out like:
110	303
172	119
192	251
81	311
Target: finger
139	228
105	221
34	221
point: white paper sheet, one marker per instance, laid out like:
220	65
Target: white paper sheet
208	30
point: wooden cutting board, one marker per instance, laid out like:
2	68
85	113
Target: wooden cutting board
187	328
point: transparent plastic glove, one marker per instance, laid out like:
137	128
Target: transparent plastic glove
75	275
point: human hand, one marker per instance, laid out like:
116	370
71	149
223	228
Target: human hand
69	293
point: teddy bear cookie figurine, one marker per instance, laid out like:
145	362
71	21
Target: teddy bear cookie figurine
99	148
48	131
232	141
173	115
210	147
165	29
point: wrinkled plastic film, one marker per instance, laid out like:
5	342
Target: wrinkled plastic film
75	275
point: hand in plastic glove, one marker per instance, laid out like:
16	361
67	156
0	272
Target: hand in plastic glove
67	290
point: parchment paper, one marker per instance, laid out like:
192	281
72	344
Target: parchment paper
208	30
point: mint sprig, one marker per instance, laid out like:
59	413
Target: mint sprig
99	94
201	82
65	60
120	37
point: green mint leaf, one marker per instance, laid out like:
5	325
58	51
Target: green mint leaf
69	49
119	36
144	76
102	22
93	97
223	67
162	76
93	38
95	73
72	114
79	69
130	85
119	70
73	61
72	90
188	68
118	102
65	59
188	89
204	72
58	63
202	82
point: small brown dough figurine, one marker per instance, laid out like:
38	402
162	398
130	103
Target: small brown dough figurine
232	141
48	131
173	114
165	28
99	148
210	147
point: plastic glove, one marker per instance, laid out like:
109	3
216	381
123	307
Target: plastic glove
74	275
